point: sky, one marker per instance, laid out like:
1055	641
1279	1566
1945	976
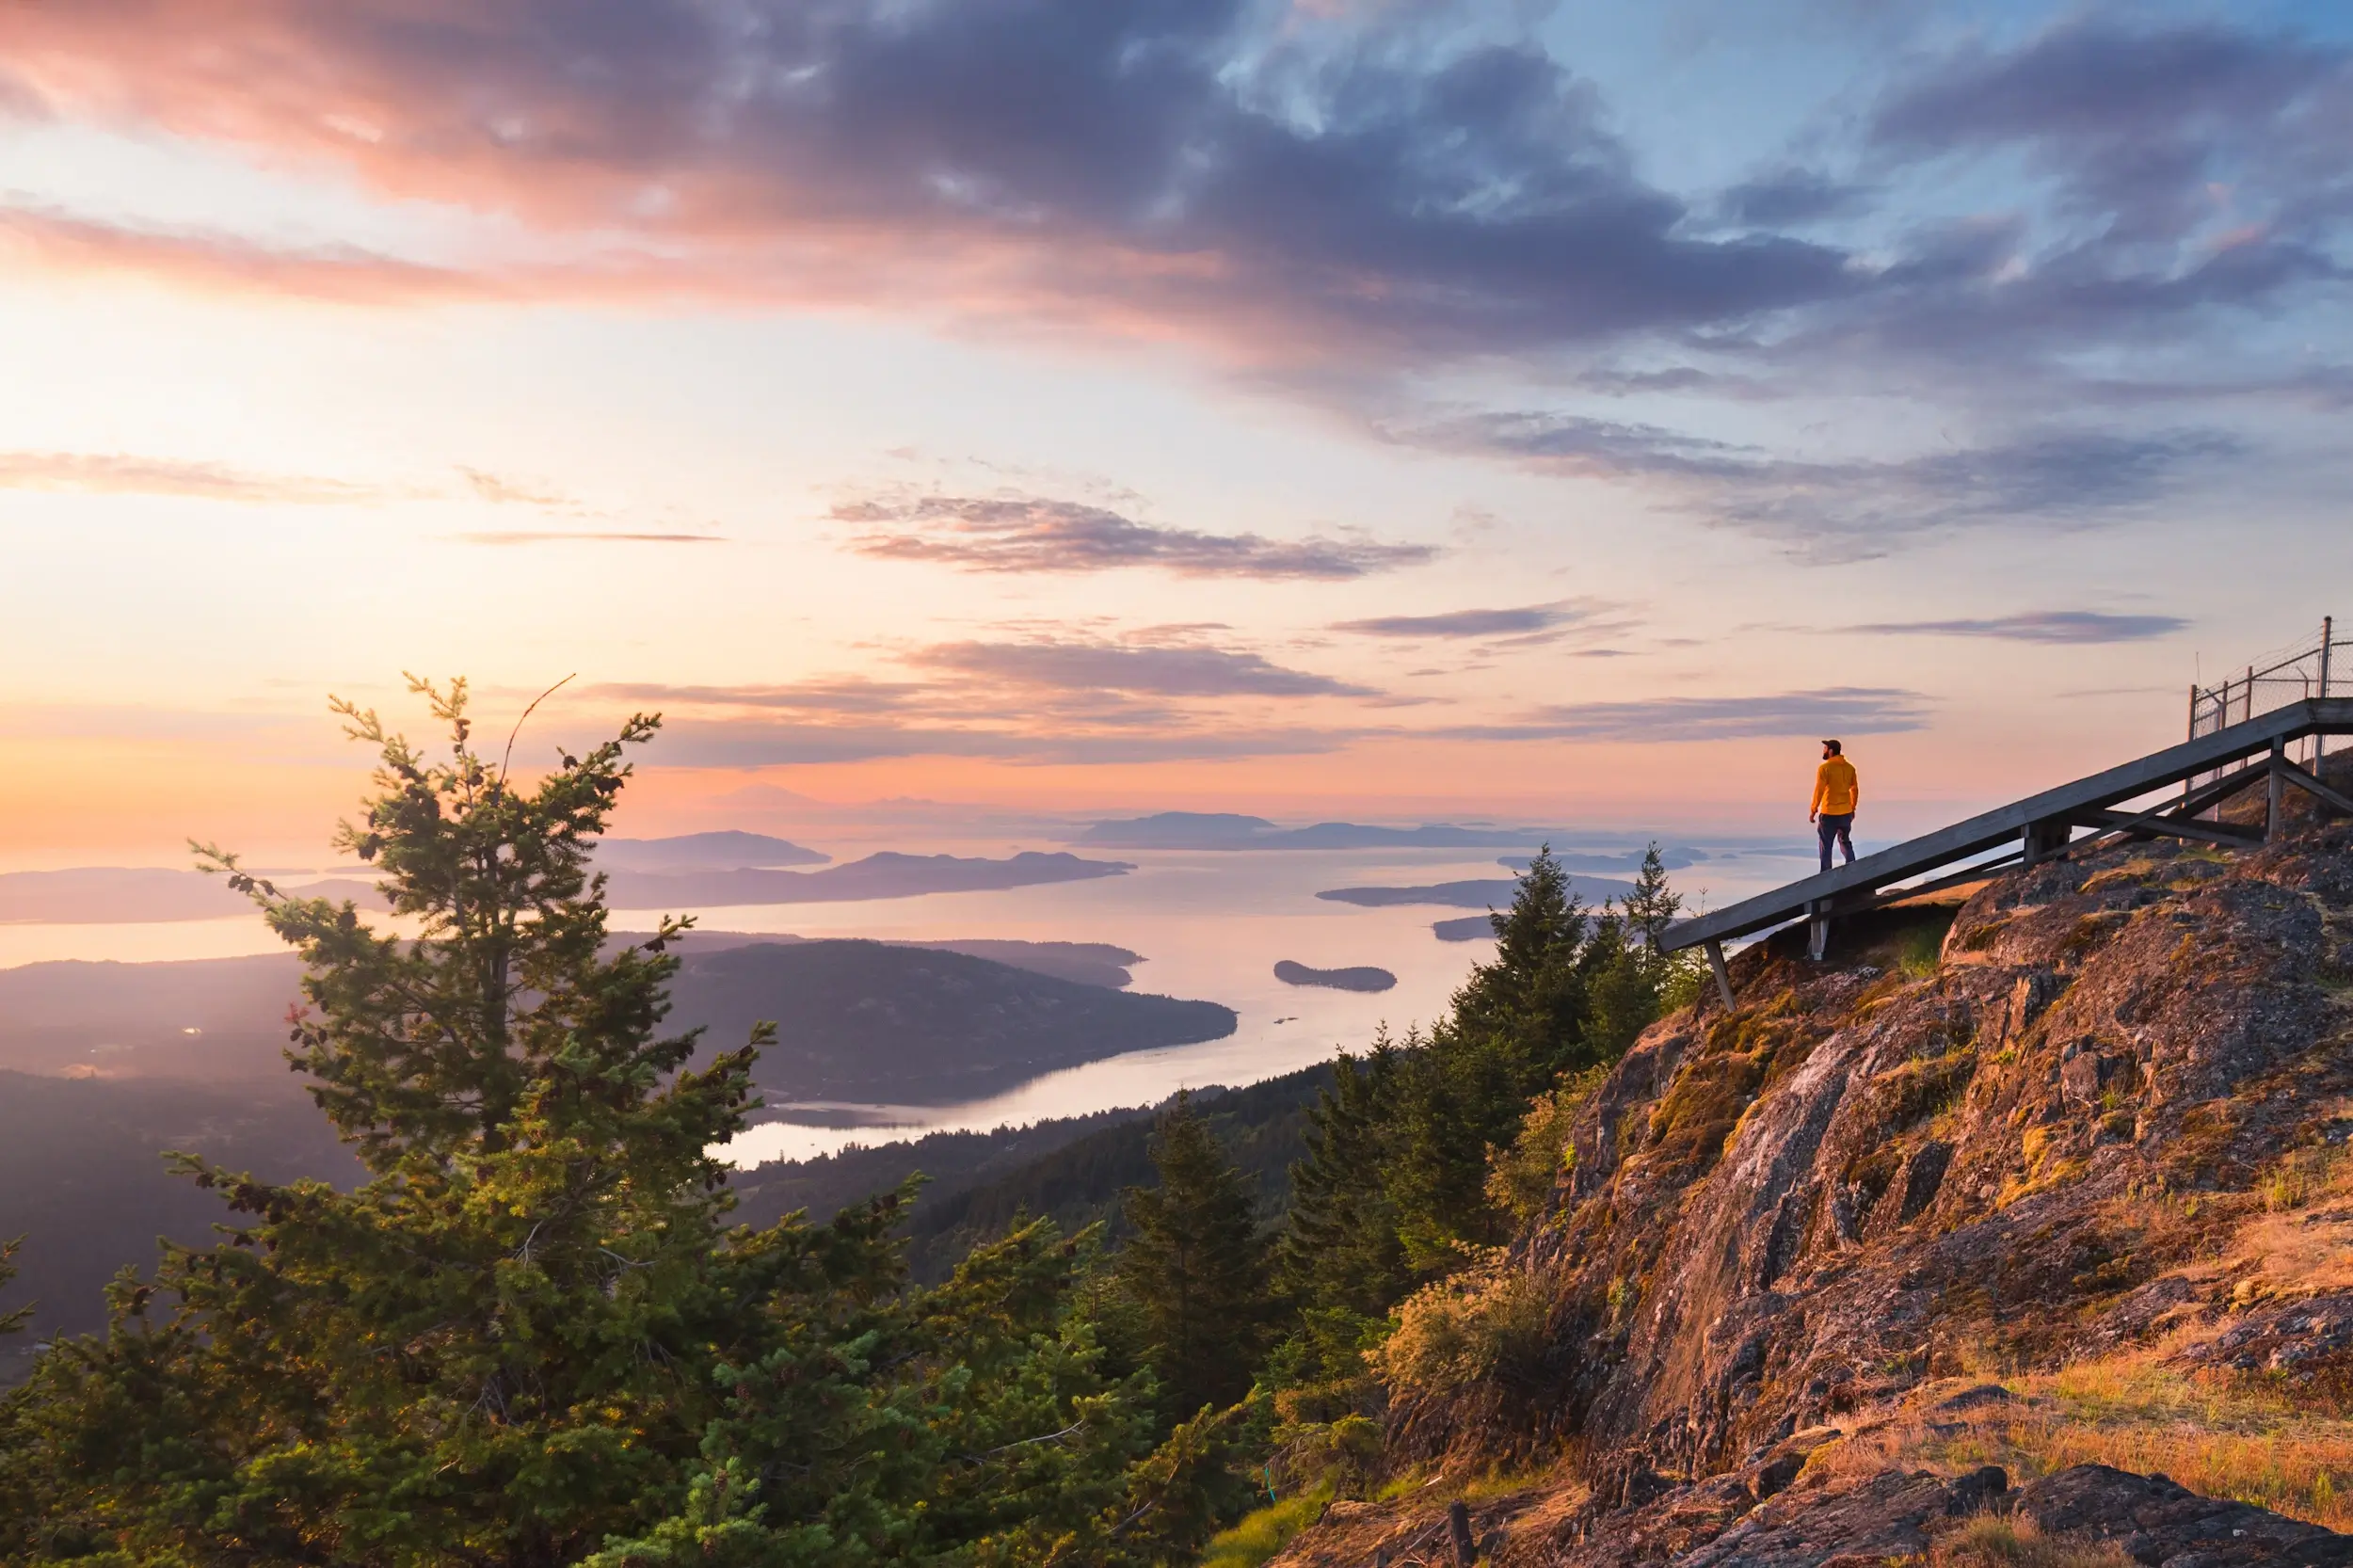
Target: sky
1558	413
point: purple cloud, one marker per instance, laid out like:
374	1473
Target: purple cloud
1036	534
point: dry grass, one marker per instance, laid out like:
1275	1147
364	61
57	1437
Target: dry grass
2302	1239
1997	1541
2222	1438
1484	1321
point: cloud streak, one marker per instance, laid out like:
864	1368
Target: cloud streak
1038	534
2045	626
1850	508
1828	711
505	492
1524	620
746	744
1065	700
557	535
1157	671
116	474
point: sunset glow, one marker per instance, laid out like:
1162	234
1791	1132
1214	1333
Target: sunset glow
1563	415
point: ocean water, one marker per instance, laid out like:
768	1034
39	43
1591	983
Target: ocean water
1210	925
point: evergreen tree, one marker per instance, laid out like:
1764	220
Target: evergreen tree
979	1431
1528	1000
1567	991
1339	1248
529	1336
1652	906
1196	1266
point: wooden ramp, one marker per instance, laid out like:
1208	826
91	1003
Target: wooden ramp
2245	755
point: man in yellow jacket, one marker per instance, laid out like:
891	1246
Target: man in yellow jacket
1836	793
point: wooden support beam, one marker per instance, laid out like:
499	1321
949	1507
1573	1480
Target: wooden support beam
2046	839
1724	975
2174	827
2211	795
2313	787
2275	824
1982	872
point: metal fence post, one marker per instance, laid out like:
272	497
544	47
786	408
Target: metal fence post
2187	784
2327	634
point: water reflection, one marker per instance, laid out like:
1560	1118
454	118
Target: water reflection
1210	925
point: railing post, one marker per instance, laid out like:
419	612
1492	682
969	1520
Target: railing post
2328	635
2192	779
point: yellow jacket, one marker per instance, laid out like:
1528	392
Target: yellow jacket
1835	788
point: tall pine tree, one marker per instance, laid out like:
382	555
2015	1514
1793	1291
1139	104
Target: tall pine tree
1340	1246
530	1338
1196	1266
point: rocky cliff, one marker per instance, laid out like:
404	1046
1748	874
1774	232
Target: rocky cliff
2078	1132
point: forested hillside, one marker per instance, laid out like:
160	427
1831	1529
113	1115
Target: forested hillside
541	1330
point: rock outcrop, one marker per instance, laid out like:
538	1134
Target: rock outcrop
2035	1129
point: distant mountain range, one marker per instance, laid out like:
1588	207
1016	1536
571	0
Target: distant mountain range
886	875
1225	830
730	849
1081	962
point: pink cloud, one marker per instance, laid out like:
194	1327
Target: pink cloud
1087	167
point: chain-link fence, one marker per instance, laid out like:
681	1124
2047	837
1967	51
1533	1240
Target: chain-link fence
2309	667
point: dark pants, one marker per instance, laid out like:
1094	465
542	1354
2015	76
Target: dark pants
1835	826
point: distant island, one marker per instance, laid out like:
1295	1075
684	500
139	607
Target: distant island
1365	978
1478	893
1081	963
873	1023
1464	928
727	850
889	874
1226	830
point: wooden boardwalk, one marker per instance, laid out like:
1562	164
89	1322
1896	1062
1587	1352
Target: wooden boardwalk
2043	827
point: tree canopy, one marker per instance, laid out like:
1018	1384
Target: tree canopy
534	1333
531	1335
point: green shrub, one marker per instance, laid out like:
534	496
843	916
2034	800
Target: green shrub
1520	1179
1262	1534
